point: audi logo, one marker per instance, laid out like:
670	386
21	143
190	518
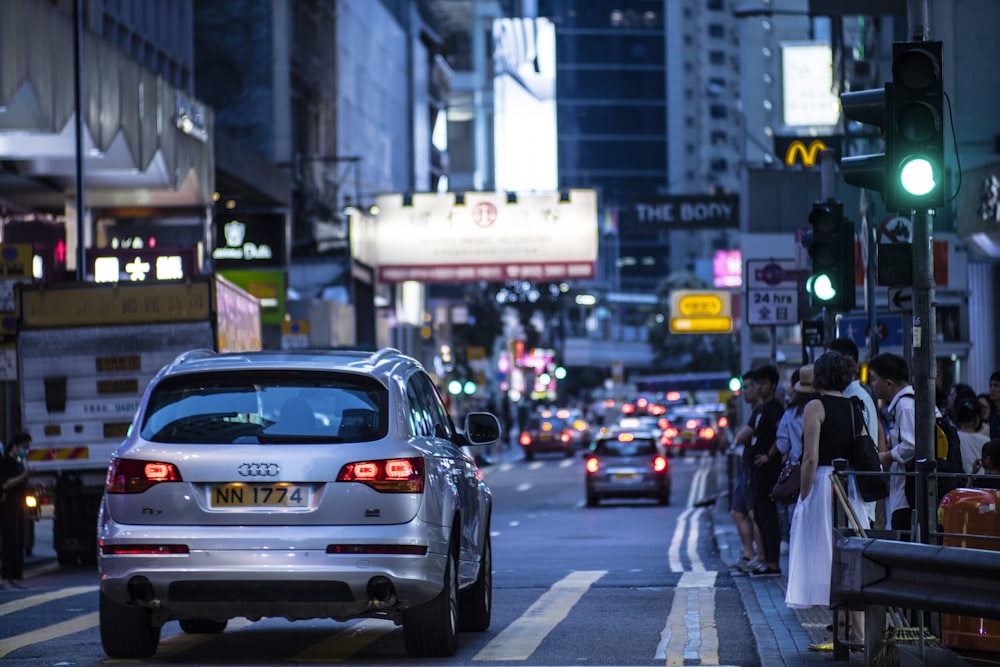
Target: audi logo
258	469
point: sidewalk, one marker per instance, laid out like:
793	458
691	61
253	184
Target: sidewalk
782	635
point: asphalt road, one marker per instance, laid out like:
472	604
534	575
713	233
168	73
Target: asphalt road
625	583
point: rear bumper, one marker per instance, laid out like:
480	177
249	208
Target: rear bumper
257	572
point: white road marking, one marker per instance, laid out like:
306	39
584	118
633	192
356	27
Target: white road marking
520	639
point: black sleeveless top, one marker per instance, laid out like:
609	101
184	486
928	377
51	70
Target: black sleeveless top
836	436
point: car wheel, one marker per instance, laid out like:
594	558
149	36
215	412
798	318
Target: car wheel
202	626
664	497
126	631
592	500
431	629
529	455
569	453
475	603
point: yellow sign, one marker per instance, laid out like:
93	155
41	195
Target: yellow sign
798	148
709	311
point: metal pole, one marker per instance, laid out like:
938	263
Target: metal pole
828	190
81	249
924	334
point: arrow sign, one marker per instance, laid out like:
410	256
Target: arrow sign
901	299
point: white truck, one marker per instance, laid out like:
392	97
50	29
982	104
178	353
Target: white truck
85	353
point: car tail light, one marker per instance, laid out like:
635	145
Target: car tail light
673	396
660	464
387	475
663	424
135	476
641	403
666	440
628	409
609	403
144	549
671	432
691	424
394	549
706	433
525	439
566	436
723	422
593	465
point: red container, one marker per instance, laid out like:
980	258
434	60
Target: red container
971	512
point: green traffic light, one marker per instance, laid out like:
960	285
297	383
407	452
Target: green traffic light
821	286
916	175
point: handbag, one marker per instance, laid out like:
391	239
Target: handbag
786	489
865	459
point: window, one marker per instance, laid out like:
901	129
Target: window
716	30
720	111
717	57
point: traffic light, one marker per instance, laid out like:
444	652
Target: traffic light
915	170
831	282
871	107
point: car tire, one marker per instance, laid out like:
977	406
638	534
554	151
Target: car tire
475	603
569	453
592	500
126	631
431	630
203	626
664	498
529	455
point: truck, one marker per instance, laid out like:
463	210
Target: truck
85	354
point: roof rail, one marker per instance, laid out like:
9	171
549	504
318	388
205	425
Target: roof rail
383	353
199	353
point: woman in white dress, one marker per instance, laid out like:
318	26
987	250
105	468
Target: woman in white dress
827	434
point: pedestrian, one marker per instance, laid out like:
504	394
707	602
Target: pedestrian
972	439
741	503
827	434
766	469
994	391
987	464
956	394
855	389
14	483
789	438
890	378
985	412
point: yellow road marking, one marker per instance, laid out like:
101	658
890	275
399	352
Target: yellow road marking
520	639
42	598
342	645
47	633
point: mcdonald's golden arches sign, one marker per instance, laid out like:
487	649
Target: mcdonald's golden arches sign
803	151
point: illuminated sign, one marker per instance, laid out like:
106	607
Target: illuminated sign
685	212
248	240
803	151
105	265
809	97
708	311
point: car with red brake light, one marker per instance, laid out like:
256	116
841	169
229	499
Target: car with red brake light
626	463
698	428
542	434
296	484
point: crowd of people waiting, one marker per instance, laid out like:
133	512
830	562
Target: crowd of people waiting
812	423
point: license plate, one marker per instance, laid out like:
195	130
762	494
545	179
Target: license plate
259	495
624	476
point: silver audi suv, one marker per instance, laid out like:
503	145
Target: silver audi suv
320	484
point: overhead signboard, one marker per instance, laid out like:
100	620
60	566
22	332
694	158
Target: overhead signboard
484	236
684	212
707	311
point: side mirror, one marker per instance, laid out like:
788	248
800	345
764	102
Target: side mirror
482	428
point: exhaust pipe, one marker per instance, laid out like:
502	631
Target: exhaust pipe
140	589
381	593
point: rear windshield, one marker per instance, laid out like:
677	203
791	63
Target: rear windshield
554	424
260	407
637	447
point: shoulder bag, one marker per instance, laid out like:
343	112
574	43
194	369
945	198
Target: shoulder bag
786	489
865	460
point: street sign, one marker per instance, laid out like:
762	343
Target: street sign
889	329
773	273
707	311
772	307
901	300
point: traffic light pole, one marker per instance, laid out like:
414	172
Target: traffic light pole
924	355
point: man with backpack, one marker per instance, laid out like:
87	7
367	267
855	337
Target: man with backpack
890	380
